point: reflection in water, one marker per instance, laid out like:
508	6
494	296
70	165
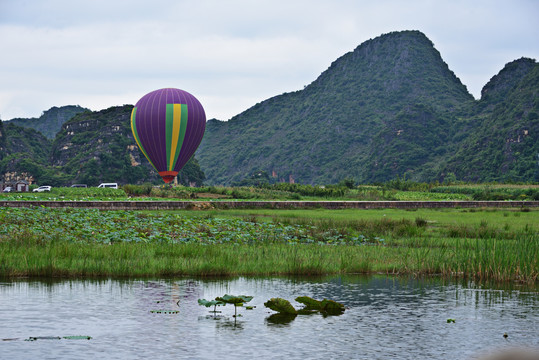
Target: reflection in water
386	317
227	325
281	319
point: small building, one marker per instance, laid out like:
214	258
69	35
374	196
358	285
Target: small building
17	185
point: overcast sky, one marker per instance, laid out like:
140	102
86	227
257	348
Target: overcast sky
231	54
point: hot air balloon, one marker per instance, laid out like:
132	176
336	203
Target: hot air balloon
168	125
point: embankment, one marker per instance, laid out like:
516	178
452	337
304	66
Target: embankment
206	205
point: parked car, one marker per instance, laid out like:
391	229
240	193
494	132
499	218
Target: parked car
79	185
108	185
43	188
8	189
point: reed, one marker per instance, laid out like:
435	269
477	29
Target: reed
482	259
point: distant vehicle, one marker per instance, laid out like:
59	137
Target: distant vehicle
79	185
8	189
43	188
108	185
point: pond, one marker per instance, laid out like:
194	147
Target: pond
385	318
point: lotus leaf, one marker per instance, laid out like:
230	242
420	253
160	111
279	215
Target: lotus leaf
307	311
164	311
77	337
331	307
281	306
209	303
34	338
93	225
235	299
310	303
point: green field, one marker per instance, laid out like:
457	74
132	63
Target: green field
393	190
483	244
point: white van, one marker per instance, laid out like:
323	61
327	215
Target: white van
108	185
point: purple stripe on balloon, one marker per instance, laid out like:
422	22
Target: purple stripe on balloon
197	131
193	129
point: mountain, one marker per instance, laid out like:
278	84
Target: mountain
18	146
51	121
392	107
375	113
90	148
503	145
95	147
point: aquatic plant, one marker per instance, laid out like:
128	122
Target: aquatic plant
310	303
34	338
325	307
281	306
328	307
210	303
69	337
164	311
236	300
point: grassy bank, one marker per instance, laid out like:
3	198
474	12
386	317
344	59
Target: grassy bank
392	190
499	245
479	259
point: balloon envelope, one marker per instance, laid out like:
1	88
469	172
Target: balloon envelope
168	125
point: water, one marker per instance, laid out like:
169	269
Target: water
386	318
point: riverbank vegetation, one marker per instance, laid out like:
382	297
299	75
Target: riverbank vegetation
394	190
483	244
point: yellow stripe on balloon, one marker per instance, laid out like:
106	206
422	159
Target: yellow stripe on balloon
176	122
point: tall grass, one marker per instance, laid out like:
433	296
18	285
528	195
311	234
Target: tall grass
369	228
497	260
482	259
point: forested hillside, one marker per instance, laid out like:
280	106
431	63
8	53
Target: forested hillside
503	144
91	148
390	108
51	121
23	152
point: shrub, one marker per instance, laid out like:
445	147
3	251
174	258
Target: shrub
138	190
420	222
